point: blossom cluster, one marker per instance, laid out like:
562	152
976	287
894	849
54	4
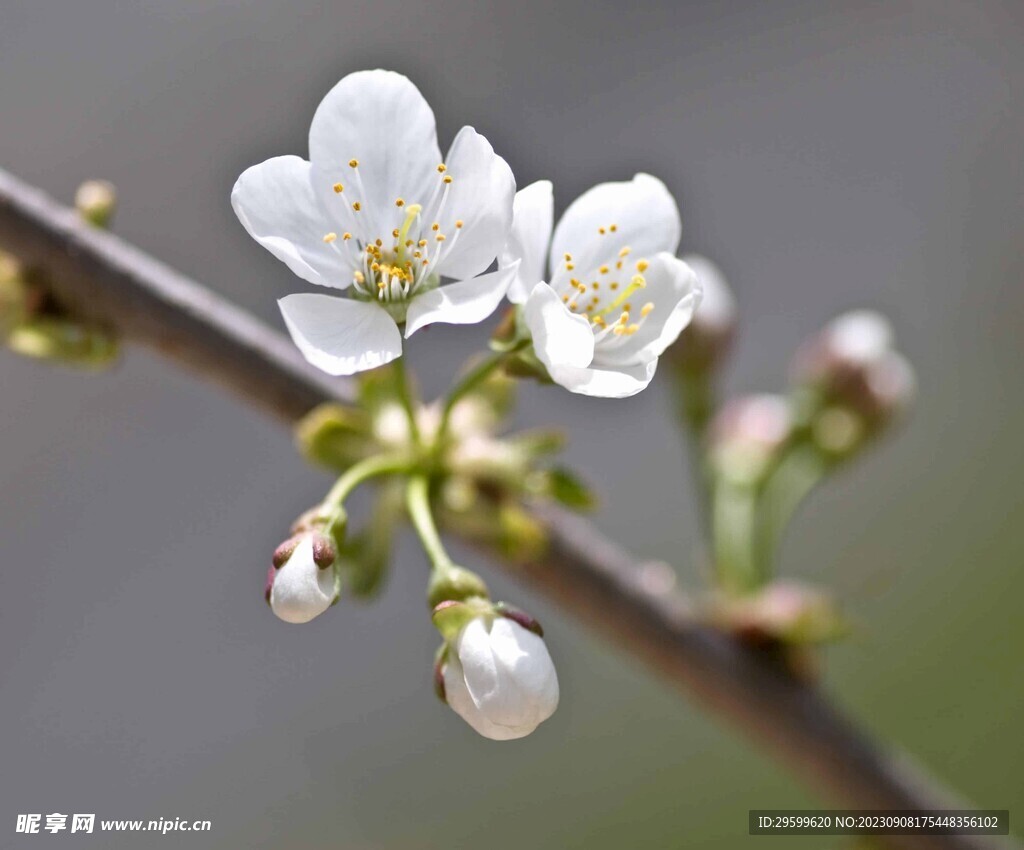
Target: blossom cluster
404	237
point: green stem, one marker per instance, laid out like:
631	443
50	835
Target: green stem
471	380
417	497
696	400
371	467
405	397
733	528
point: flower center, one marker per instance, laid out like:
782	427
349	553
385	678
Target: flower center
603	293
391	267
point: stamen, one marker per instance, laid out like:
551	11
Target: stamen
458	224
357	206
647	309
338	188
353	163
399	202
442	168
447	178
642	266
330	237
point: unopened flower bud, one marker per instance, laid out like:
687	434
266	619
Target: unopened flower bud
497	674
748	433
851	365
64	341
707	340
304	580
96	201
784	612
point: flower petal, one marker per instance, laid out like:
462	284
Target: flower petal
461	701
528	685
380	119
480	195
642	211
275	202
613	382
339	335
462	303
674	291
532	218
560	337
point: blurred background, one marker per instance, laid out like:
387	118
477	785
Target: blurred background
826	155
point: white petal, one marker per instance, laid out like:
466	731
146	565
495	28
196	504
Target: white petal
527	693
458	697
610	382
480	195
673	289
380	119
560	337
340	335
862	337
275	202
462	303
301	590
532	218
643	212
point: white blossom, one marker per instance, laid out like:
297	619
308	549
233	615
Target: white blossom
615	296
499	678
378	213
301	589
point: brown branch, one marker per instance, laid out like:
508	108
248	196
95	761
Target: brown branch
98	275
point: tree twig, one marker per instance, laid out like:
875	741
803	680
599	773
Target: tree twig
99	276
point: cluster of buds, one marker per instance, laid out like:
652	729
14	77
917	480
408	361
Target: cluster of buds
852	381
781	612
493	668
304	580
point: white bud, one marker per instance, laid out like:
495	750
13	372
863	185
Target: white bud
301	589
860	337
717	310
499	677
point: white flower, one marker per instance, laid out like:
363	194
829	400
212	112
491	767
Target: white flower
302	589
376	211
616	296
499	678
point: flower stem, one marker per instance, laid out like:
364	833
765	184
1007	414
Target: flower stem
405	397
417	497
371	467
472	379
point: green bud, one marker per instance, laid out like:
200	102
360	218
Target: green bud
565	487
455	584
64	341
96	201
334	436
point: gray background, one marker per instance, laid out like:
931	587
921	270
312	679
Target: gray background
828	155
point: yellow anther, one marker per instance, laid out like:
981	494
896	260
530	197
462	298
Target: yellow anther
381	284
565	299
613	228
394	233
624	317
646	309
330	237
359	277
353	163
603	269
625	251
632	329
435	227
379	243
600	322
442	168
399	202
422	243
375	267
613	285
642	265
573	305
459	223
569	267
618	330
602	231
596	285
338	188
357	206
346	236
568	258
639	281
440	237
447	178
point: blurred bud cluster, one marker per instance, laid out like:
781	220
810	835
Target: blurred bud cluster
762	454
34	324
